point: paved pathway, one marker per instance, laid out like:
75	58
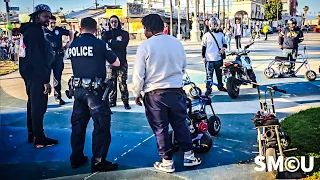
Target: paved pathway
133	144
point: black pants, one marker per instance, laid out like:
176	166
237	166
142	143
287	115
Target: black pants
212	66
120	75
57	68
266	36
36	107
167	107
238	42
88	104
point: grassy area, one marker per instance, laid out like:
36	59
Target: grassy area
7	67
303	129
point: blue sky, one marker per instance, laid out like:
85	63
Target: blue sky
314	5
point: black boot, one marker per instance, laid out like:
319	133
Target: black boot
30	137
79	162
60	101
103	167
223	89
44	142
127	106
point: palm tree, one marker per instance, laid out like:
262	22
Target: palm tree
204	10
224	13
212	6
305	9
187	19
171	14
219	9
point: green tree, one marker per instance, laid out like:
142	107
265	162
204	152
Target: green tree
271	8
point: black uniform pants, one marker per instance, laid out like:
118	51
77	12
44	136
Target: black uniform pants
120	75
89	104
57	68
238	42
36	107
162	108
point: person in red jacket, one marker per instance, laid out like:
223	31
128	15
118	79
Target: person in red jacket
166	29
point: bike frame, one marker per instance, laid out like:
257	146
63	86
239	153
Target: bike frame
303	62
264	108
202	103
187	81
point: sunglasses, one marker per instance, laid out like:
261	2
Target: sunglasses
52	22
115	21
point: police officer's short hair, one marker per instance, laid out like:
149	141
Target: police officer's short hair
88	23
153	23
53	18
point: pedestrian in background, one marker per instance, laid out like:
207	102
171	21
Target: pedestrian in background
228	32
166	29
158	74
238	32
266	31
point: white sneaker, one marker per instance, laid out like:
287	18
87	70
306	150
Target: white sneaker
190	159
165	166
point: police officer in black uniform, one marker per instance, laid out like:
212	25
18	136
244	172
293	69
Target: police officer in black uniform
88	57
54	35
289	40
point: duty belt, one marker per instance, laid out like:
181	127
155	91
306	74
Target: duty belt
90	84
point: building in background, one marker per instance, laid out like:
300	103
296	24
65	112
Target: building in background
251	12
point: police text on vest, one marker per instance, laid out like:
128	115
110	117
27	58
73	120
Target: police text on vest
80	51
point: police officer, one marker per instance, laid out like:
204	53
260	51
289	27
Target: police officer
289	40
88	58
118	40
54	34
34	67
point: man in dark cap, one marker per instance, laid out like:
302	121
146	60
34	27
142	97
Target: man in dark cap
34	67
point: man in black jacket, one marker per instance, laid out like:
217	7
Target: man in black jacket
34	66
289	39
118	40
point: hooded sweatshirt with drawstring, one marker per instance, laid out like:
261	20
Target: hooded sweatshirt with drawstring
117	40
35	65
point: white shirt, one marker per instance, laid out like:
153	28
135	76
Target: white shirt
160	64
212	51
238	30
